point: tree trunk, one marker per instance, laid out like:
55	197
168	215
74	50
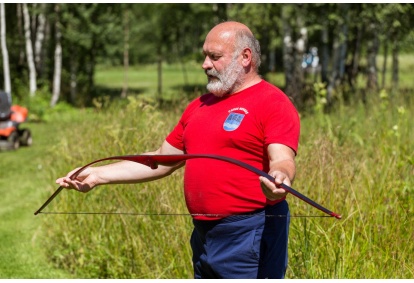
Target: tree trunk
395	66
339	53
384	64
288	60
354	65
57	74
126	53
325	54
335	67
21	35
90	67
343	41
29	51
300	48
73	69
73	82
159	71
293	50
4	51
40	36
372	52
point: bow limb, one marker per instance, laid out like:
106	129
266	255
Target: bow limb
154	160
73	176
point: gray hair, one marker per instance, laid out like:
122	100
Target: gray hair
245	39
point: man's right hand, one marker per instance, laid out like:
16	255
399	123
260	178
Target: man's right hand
84	182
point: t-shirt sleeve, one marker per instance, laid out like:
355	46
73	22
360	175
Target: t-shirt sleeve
281	124
175	138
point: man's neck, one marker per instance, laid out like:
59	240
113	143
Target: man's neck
248	82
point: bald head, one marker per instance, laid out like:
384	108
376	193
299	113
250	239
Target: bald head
240	37
228	28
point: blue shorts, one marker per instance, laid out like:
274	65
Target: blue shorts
243	246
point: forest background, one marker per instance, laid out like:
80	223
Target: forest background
112	79
55	50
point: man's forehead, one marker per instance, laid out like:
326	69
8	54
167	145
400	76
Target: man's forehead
220	35
215	47
219	41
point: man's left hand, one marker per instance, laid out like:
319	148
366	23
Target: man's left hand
270	189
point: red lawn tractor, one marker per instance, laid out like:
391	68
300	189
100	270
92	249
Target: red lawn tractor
11	116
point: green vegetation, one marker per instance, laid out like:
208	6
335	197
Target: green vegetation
82	37
24	175
356	160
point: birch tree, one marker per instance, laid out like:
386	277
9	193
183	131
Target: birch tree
29	51
399	18
40	36
372	52
355	47
294	44
6	67
19	19
58	60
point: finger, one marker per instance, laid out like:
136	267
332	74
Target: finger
68	183
61	182
279	177
271	186
270	190
265	183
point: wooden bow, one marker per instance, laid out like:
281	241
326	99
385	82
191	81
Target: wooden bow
153	160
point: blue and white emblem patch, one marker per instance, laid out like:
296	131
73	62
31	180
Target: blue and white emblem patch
233	121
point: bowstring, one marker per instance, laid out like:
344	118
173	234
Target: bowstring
180	214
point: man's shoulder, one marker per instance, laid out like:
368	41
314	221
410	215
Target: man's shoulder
271	87
271	91
198	102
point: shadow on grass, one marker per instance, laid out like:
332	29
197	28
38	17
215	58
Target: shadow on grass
171	97
113	92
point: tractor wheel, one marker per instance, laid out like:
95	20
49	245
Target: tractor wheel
13	141
25	137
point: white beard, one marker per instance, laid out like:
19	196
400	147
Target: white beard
226	81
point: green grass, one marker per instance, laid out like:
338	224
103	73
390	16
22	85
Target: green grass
22	184
176	79
406	63
133	246
356	161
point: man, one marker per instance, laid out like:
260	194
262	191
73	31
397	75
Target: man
241	223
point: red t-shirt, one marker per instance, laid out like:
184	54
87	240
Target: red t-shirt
239	126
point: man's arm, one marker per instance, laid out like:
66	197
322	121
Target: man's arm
123	172
282	168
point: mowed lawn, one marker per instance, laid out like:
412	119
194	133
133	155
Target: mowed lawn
23	182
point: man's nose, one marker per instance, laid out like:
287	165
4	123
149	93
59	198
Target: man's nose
207	63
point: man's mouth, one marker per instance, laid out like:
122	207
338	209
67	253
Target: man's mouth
212	78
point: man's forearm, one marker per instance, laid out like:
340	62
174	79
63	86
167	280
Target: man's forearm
286	166
126	172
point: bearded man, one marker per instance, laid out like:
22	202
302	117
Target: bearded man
241	223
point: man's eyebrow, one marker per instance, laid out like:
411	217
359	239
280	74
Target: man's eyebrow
211	53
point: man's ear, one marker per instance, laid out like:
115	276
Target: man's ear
246	57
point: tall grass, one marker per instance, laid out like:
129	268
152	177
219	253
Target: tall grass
357	161
119	246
